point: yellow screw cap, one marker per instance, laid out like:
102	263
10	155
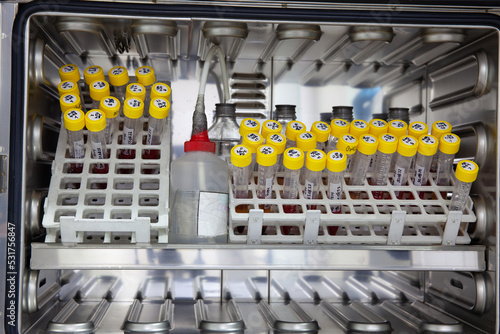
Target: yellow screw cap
253	140
74	119
427	145
135	90
347	144
276	140
387	143
93	73
95	120
110	105
69	101
293	129
160	89
358	128
449	143
467	171
118	76
439	128
368	144
407	146
269	127
266	155
69	72
99	89
293	158
315	160
339	127
241	156
321	130
336	161
418	129
159	108
133	108
306	141
249	125
378	127
398	128
145	75
68	87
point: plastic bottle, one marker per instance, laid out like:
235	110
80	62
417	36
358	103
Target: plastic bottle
91	74
348	144
135	90
158	112
358	128
293	160
224	132
110	106
339	127
322	131
96	124
427	147
387	146
438	129
416	130
270	127
367	147
145	75
278	141
449	145
74	122
293	129
284	114
160	89
253	140
68	87
198	194
376	127
315	164
407	148
266	160
132	110
69	101
248	125
402	114
98	90
343	112
118	78
465	175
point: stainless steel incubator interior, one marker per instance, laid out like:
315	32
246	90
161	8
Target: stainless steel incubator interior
446	69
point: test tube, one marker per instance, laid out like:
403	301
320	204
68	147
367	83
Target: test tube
386	147
293	129
367	147
465	174
253	140
145	75
266	159
241	159
93	73
448	147
248	125
135	90
68	87
133	110
339	127
315	163
110	106
74	122
358	128
376	127
322	131
427	148
99	89
270	127
160	89
438	129
95	121
278	141
293	160
306	141
348	144
416	130
158	112
336	162
407	148
69	101
118	78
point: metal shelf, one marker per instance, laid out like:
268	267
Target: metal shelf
267	257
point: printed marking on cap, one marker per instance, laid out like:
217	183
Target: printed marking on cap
67	85
276	138
68	68
70	98
293	153
117	71
409	141
99	84
336	155
350	139
161	88
253	137
144	70
321	126
135	88
378	124
369	139
428	140
92	70
95	115
450	138
251	123
134	103
160	103
441	125
241	150
296	126
340	122
266	150
417	126
272	125
359	124
110	102
467	165
74	114
306	135
397	124
317	155
388	138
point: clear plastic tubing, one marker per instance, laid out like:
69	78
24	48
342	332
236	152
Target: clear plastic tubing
158	112
427	147
416	130
278	141
293	129
322	131
348	144
118	78
367	147
266	159
69	101
132	110
449	145
315	164
145	75
438	129
253	140
248	125
465	174
95	120
91	74
336	162
376	128
110	106
387	146
358	128
241	158
407	148
339	127
74	122
99	89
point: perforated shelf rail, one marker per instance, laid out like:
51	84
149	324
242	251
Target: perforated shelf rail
419	215
128	204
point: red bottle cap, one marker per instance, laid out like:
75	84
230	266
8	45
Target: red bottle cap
199	142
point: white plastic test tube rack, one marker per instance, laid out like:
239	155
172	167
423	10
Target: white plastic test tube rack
129	204
364	220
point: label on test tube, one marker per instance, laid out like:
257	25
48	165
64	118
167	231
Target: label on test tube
78	149
398	176
128	136
308	190
269	187
419	175
149	138
97	152
335	193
